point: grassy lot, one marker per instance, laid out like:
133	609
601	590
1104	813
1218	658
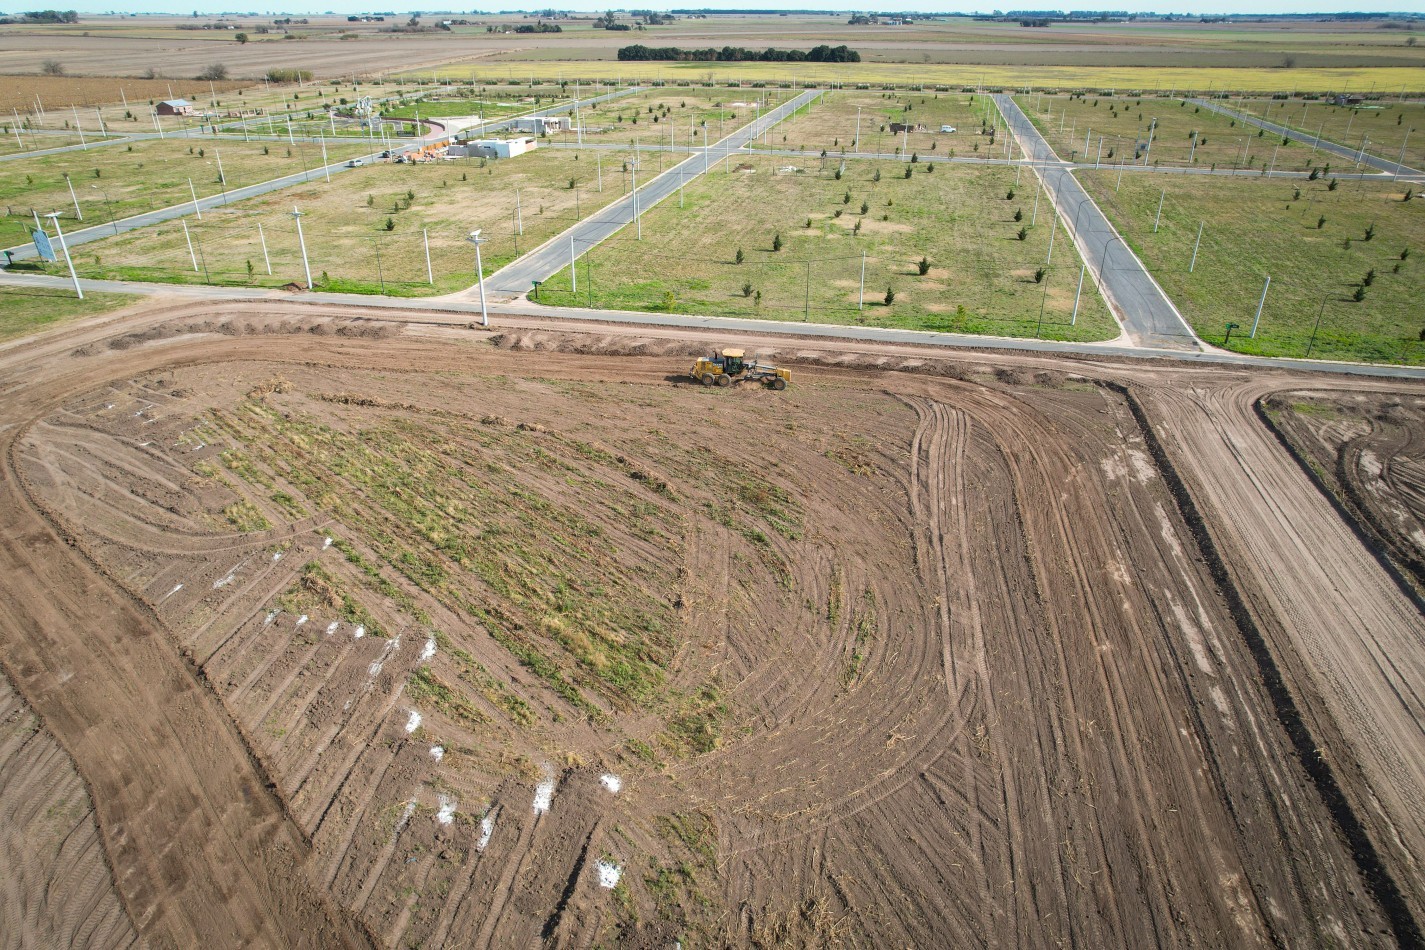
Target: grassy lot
1383	127
956	217
26	310
649	117
30	142
127	179
830	123
1123	123
345	234
1123	78
1256	228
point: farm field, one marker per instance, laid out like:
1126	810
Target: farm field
344	225
1255	228
519	655
1123	123
831	123
980	276
1381	126
125	179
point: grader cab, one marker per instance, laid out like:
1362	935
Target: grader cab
732	366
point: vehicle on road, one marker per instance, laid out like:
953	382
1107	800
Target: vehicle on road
354	163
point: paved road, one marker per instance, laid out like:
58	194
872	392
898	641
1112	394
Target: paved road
456	311
183	209
555	254
1148	317
1344	151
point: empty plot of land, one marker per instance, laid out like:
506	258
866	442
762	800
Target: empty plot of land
679	117
1379	126
833	122
1320	247
979	275
518	203
120	180
1158	131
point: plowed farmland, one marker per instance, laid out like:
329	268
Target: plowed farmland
366	632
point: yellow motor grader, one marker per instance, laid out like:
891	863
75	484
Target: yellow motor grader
732	366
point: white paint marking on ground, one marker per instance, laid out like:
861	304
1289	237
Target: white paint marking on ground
359	632
222	582
331	627
429	651
609	873
437	752
544	792
413	721
172	592
487	828
611	782
446	813
301	620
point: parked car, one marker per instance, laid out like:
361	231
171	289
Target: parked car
947	128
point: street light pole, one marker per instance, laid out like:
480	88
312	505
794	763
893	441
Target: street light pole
196	210
1195	246
54	216
1075	318
79	215
302	242
1260	303
480	276
262	239
1312	344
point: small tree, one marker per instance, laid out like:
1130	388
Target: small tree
808	224
241	38
877	176
1370	231
1404	253
250	269
907	171
1023	233
865	207
1321	222
1359	295
670	302
747	289
838	173
914	157
740	256
923	266
1019	214
777	241
390	223
52	67
1409	193
1331	185
890	296
1009	196
1370	278
1039	275
857	228
1315	174
214	73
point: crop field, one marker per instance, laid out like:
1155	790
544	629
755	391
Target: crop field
831	123
1381	127
121	180
20	92
979	275
1182	134
1259	228
531	639
344	224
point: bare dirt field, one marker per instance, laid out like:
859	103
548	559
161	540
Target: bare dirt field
475	640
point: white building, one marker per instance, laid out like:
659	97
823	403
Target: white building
543	124
494	148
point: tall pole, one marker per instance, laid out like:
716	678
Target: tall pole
861	295
79	215
573	268
262	238
1075	318
78	291
1399	161
1118	184
636	219
856	145
189	238
519	215
222	176
599	166
196	210
1159	218
302	242
806	307
1195	246
425	239
1034	216
325	169
480	277
1312	344
1053	226
1258	319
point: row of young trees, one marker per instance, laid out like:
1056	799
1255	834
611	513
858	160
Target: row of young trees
737	54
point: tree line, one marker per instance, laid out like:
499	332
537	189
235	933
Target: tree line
737	54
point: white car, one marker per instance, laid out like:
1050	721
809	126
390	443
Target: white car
947	128
354	163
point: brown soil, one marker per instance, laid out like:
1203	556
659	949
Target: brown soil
18	92
926	650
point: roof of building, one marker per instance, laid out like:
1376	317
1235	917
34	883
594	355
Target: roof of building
176	102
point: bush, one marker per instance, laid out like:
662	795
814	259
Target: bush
1039	275
670	303
907	171
890	296
1023	233
740	256
288	75
214	73
747	289
1019	214
390	223
52	67
923	266
865	207
1009	196
777	241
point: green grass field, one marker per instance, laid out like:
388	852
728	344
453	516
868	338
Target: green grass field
956	217
127	179
1255	228
1124	123
1383	128
831	123
26	310
344	234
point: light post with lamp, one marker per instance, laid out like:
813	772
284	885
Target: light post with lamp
477	240
54	216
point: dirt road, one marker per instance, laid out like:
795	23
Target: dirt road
535	641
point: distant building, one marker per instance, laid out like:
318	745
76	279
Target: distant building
543	124
1344	100
174	107
493	148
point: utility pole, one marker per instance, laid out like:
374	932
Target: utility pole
861	295
325	170
1159	218
1260	303
302	242
54	216
196	210
1075	318
425	239
79	215
573	267
187	237
262	239
222	177
1195	246
480	276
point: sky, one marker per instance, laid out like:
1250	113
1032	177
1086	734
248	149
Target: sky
1207	7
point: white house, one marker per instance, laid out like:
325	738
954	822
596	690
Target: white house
543	124
494	148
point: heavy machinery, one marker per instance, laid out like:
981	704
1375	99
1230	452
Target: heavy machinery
733	366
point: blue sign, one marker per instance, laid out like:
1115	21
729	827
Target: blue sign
42	245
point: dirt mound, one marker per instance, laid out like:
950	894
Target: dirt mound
351	328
